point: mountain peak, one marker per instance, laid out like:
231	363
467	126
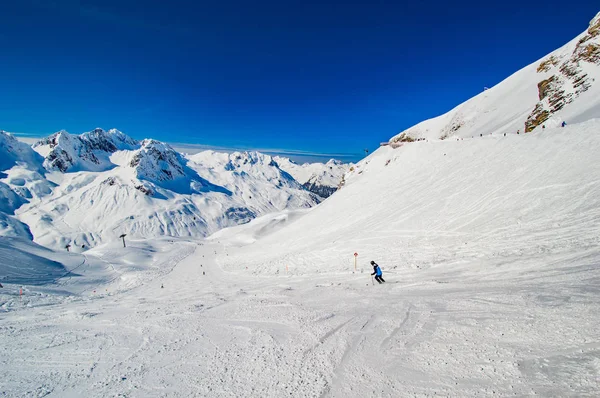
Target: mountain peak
158	162
87	151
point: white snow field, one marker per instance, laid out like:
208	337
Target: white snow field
491	252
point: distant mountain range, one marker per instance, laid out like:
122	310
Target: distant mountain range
82	190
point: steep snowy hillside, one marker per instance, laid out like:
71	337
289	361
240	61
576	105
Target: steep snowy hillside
452	202
321	179
563	86
13	152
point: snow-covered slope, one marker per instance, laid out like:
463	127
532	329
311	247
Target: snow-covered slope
452	202
21	179
13	152
563	86
321	179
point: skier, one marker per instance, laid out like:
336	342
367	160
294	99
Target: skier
564	123
377	272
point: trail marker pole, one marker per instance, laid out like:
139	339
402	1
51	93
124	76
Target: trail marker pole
355	257
21	294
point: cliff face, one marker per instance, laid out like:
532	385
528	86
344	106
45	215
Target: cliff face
566	76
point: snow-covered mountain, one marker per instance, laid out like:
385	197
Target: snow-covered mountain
88	151
321	179
86	189
562	86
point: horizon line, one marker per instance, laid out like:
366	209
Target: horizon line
190	148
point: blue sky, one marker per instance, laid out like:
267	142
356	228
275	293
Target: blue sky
311	76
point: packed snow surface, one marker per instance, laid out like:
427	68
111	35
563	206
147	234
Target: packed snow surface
492	289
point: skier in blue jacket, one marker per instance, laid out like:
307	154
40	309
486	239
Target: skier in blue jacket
377	272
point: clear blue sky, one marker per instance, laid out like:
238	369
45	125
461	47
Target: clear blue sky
314	76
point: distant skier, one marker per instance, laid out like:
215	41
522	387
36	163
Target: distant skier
377	272
564	123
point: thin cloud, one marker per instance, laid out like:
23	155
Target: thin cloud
296	155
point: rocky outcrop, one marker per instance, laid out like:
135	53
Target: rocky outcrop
546	65
321	190
402	138
568	79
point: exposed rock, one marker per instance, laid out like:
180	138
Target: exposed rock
321	190
594	28
546	65
537	117
591	53
569	80
544	87
240	215
109	181
402	138
145	189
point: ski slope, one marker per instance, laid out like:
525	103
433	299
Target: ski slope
496	198
491	290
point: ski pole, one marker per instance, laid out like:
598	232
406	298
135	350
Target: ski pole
372	281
